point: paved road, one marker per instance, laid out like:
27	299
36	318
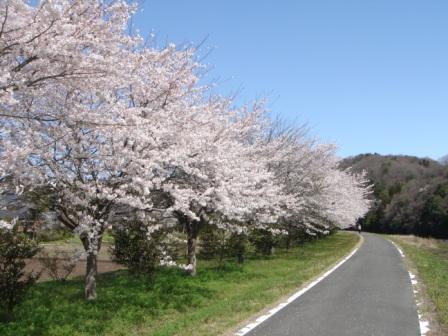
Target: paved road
369	295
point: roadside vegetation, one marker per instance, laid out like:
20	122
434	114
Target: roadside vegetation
171	303
430	257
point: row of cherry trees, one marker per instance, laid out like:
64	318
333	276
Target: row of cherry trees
104	121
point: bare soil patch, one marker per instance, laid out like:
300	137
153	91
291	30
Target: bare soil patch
105	262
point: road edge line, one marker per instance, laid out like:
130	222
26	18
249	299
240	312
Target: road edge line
303	289
423	324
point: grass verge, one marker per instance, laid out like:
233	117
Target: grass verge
430	258
217	299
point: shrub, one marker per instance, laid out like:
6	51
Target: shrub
292	238
213	243
263	241
217	243
50	235
15	248
238	246
135	249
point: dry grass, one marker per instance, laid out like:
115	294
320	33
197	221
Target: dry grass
430	243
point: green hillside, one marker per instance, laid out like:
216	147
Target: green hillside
411	194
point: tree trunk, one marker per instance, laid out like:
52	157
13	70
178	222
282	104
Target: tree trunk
192	237
90	280
91	269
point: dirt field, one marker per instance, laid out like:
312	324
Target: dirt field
105	263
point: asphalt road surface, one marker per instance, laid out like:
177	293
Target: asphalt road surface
369	295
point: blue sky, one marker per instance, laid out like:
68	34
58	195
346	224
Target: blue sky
369	75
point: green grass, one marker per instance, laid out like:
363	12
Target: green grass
214	301
430	257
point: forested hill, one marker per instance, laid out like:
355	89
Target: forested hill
411	193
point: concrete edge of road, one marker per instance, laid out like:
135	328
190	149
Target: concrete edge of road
252	323
423	323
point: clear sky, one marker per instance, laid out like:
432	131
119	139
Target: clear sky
369	75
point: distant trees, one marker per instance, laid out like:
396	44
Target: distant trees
434	215
410	195
101	121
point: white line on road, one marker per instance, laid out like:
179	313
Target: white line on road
398	248
424	324
293	297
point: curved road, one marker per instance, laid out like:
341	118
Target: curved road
369	295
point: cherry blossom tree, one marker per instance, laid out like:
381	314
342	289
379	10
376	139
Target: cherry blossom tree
70	77
57	82
216	175
320	192
346	197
